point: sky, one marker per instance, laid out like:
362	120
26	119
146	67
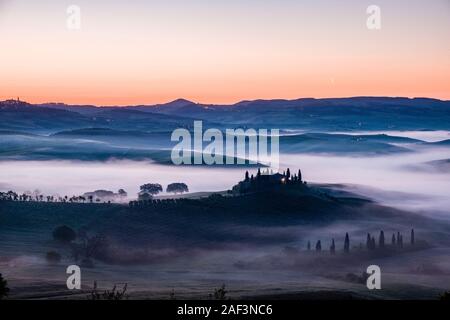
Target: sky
145	52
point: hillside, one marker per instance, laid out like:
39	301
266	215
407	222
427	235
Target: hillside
347	114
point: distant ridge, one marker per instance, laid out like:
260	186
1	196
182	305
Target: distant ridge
329	114
181	102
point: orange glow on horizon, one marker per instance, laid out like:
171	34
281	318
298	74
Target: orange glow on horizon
156	52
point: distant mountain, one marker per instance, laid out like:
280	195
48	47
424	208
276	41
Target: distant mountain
170	107
339	114
179	107
358	113
82	109
21	116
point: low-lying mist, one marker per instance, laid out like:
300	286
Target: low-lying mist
391	179
396	180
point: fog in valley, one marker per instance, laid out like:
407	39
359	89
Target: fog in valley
247	256
404	180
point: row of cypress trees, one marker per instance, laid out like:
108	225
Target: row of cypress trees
370	242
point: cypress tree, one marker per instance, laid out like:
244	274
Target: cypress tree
246	176
333	247
318	246
381	240
288	173
347	244
299	175
393	239
368	242
412	237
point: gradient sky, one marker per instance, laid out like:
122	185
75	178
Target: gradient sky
142	52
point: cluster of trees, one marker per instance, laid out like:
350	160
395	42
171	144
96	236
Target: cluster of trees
332	246
27	196
37	196
397	241
267	174
267	179
85	249
157	203
148	190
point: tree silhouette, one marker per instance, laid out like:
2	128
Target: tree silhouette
114	294
122	193
151	188
369	242
373	244
381	239
64	234
332	247
4	290
288	173
299	175
318	246
347	243
177	187
412	237
393	239
221	293
246	176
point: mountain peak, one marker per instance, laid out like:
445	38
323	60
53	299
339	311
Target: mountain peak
180	102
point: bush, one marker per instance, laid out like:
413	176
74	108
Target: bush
4	290
114	294
64	234
445	296
53	257
220	293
